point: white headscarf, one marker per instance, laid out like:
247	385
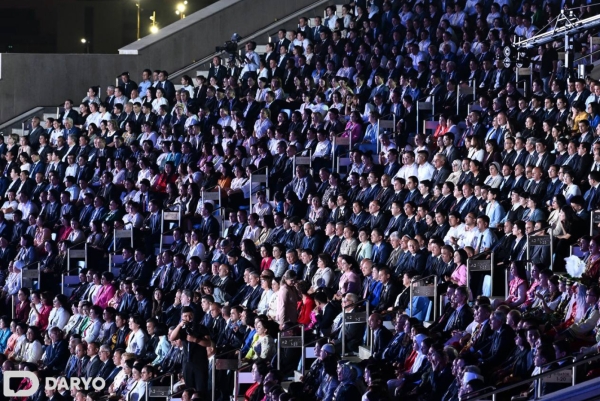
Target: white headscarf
421	357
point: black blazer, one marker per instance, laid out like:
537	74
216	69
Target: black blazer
93	367
462	319
380	342
388	297
326	317
500	345
57	355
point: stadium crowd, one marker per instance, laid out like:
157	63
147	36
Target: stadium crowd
503	164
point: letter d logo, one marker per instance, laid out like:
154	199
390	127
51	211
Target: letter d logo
13	374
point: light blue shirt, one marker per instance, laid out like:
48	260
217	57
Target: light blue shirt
371	133
143	86
496	213
162	349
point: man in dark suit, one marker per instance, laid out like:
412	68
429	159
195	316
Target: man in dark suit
252	298
252	108
397	219
141	270
462	315
166	85
445	201
217	70
501	343
108	367
57	353
328	312
35	132
282	41
381	249
484	332
127	84
209	224
353	332
94	364
389	290
68	112
381	335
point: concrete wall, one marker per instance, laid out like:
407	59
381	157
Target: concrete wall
30	80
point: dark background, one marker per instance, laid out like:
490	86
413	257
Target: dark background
57	26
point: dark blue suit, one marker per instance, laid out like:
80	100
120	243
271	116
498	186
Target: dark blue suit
467	206
381	253
38	167
209	225
57	356
416	262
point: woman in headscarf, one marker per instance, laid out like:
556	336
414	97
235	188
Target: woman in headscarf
346	390
420	365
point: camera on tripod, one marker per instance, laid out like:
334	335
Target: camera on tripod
230	46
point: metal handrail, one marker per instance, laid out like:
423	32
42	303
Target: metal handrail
160	377
422	278
240	366
435	293
522	383
228	352
571	358
29	265
356	303
544	229
293	327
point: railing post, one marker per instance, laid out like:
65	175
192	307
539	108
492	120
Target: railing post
551	250
411	298
538	389
369	332
303	356
235	384
343	332
278	352
213	376
435	305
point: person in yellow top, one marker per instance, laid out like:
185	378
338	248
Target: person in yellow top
263	345
577	114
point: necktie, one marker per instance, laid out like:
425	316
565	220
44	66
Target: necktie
164	277
451	321
367	287
391	225
477	249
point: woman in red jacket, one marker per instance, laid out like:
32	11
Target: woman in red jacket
306	304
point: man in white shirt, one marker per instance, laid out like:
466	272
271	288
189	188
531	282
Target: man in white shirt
26	206
484	239
470	230
425	169
456	231
409	167
251	61
72	168
323	149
